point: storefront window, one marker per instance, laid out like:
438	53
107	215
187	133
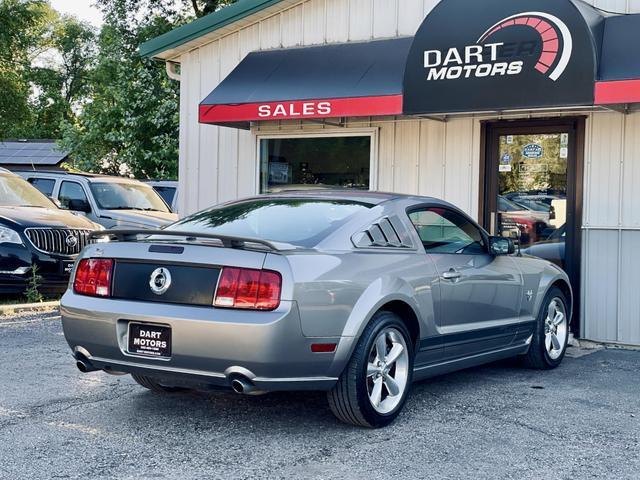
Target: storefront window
314	163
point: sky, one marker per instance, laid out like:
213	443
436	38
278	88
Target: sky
83	9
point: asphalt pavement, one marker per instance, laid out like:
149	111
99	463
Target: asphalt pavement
580	421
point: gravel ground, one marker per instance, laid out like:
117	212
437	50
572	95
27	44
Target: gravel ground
579	421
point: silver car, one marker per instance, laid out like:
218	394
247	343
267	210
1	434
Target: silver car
113	202
355	293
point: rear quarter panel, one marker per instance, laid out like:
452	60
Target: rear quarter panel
538	276
337	293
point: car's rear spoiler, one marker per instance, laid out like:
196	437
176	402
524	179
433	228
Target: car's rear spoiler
227	241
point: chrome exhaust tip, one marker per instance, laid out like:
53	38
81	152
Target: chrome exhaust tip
244	386
83	364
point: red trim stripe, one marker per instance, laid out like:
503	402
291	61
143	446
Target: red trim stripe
619	91
301	109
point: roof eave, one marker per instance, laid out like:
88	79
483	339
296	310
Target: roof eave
243	8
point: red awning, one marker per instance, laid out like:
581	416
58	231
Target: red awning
619	68
617	92
298	109
343	80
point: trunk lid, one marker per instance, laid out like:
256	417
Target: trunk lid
142	269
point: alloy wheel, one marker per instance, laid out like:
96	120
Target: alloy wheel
387	370
555	328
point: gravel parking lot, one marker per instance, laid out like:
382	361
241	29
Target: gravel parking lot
499	421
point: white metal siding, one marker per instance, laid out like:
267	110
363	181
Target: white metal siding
611	236
419	156
221	161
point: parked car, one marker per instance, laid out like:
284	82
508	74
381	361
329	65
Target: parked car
114	202
513	216
552	249
355	293
34	232
168	190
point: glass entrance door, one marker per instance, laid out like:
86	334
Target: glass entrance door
533	187
532	192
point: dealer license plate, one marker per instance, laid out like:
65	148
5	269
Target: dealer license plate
152	340
66	267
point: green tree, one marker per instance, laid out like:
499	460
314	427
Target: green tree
23	26
60	83
130	123
44	61
202	8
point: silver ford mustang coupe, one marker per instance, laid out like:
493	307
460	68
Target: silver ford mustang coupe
355	293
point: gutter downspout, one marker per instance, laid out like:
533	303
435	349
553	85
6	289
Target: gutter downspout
172	70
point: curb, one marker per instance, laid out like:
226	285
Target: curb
593	345
18	308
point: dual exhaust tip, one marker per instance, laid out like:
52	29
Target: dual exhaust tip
240	384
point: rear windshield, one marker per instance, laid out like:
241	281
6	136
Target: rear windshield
300	222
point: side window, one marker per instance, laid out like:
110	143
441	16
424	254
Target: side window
167	193
445	231
45	185
71	191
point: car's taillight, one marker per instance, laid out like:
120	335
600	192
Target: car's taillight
248	288
93	277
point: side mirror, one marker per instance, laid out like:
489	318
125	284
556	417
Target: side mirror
78	205
501	246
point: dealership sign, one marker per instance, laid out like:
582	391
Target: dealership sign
485	60
501	54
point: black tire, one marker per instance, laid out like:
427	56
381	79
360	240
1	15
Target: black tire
153	385
349	398
538	357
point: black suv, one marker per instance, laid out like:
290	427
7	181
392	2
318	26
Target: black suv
34	231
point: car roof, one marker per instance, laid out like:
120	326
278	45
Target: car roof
161	183
90	177
364	196
373	198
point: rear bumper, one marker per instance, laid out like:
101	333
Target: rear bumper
204	379
209	345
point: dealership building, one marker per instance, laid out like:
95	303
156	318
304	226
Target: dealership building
524	113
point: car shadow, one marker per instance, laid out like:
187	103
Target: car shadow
298	411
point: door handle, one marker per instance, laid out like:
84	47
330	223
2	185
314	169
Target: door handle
451	275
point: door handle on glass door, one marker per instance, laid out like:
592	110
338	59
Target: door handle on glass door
451	275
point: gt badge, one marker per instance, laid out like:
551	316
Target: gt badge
160	280
529	295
